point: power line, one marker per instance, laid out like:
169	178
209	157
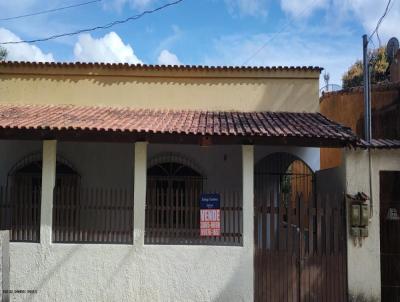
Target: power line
276	34
49	10
108	25
387	9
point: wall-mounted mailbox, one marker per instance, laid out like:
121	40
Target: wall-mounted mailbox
365	214
363	232
355	232
360	213
355	215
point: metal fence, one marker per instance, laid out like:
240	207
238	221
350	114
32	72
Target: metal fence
173	217
20	212
93	215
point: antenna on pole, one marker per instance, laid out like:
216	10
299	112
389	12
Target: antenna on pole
326	79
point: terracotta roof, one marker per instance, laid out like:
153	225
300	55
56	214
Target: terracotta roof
158	67
380	143
203	123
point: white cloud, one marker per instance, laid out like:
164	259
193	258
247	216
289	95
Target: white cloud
287	49
302	8
23	51
367	12
110	49
168	58
247	7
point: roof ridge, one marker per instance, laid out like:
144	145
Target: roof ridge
162	66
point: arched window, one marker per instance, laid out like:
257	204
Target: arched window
21	198
172	207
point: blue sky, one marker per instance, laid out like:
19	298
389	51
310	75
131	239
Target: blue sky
325	33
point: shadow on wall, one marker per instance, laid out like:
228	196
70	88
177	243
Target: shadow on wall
359	297
234	281
280	94
56	268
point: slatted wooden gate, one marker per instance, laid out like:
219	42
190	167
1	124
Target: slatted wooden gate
300	245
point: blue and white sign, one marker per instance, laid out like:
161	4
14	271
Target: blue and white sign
210	201
210	215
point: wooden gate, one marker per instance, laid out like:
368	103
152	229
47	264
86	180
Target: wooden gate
300	240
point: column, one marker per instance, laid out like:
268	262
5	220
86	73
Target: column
48	183
140	185
248	212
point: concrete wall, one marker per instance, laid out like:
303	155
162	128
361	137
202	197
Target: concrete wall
347	108
276	90
104	272
4	266
331	181
364	261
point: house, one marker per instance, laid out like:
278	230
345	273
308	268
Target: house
176	183
347	108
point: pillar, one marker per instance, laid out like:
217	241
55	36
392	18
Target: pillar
248	212
48	183
140	179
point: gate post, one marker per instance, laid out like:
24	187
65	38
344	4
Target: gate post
4	266
248	213
363	261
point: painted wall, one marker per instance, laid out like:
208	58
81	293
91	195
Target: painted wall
347	108
294	91
85	272
364	261
129	273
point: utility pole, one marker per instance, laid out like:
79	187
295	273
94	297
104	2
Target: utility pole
367	96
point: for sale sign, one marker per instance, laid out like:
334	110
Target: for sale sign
210	218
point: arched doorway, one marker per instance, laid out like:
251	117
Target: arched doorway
174	186
284	175
23	196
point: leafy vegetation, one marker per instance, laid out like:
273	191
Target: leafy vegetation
3	53
379	70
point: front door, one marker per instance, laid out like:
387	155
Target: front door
389	234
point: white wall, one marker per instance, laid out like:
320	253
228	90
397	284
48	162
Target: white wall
99	272
127	273
4	265
364	261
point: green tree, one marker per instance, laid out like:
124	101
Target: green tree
379	70
3	53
